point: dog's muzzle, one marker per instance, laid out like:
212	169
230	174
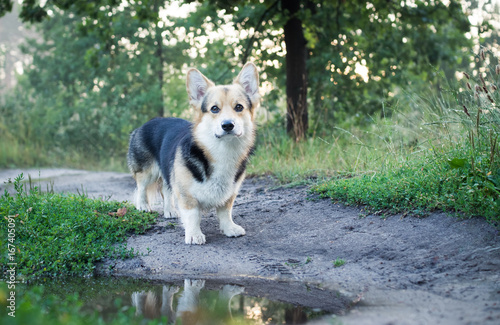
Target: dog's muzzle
228	128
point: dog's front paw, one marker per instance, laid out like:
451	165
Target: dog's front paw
141	206
169	290
171	214
233	230
197	238
196	284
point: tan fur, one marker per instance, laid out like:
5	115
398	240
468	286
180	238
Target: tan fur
181	182
152	177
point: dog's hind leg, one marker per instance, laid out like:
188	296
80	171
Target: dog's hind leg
141	194
169	208
227	225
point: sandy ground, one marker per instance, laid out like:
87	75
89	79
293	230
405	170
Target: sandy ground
398	270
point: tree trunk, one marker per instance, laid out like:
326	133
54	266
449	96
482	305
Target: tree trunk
296	73
159	55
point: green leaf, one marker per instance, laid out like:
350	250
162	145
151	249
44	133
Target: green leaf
456	163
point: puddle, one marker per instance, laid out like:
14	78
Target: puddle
193	301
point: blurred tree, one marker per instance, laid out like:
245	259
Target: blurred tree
296	72
94	79
343	57
370	51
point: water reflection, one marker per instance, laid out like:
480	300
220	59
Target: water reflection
192	303
244	301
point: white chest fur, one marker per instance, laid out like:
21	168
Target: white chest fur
228	154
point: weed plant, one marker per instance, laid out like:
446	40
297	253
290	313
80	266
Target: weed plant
456	165
338	262
58	234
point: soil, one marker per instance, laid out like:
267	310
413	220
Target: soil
398	270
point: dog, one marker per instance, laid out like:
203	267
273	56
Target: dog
199	165
190	309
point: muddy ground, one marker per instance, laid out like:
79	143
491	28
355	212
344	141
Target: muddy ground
398	270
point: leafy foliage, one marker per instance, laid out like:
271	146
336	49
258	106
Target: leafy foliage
91	82
59	234
394	42
338	262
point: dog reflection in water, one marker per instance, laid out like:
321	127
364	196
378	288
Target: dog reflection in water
152	306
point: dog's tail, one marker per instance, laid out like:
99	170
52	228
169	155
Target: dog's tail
131	159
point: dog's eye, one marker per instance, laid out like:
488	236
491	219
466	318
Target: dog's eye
215	109
238	108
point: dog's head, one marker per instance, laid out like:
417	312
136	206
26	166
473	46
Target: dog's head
226	111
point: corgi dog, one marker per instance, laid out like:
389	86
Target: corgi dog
199	165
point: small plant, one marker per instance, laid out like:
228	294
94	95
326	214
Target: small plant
170	225
338	262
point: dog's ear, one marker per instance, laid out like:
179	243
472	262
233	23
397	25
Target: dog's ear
197	86
248	78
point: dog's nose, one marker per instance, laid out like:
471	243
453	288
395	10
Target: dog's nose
227	125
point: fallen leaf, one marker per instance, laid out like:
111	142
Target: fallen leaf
121	212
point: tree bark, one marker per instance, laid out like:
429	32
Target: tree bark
296	72
159	55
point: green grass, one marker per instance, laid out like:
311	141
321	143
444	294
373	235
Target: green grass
455	166
14	154
55	234
338	262
343	151
418	188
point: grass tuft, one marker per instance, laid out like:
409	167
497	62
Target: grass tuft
338	262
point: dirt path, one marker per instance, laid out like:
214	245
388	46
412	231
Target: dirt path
434	270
